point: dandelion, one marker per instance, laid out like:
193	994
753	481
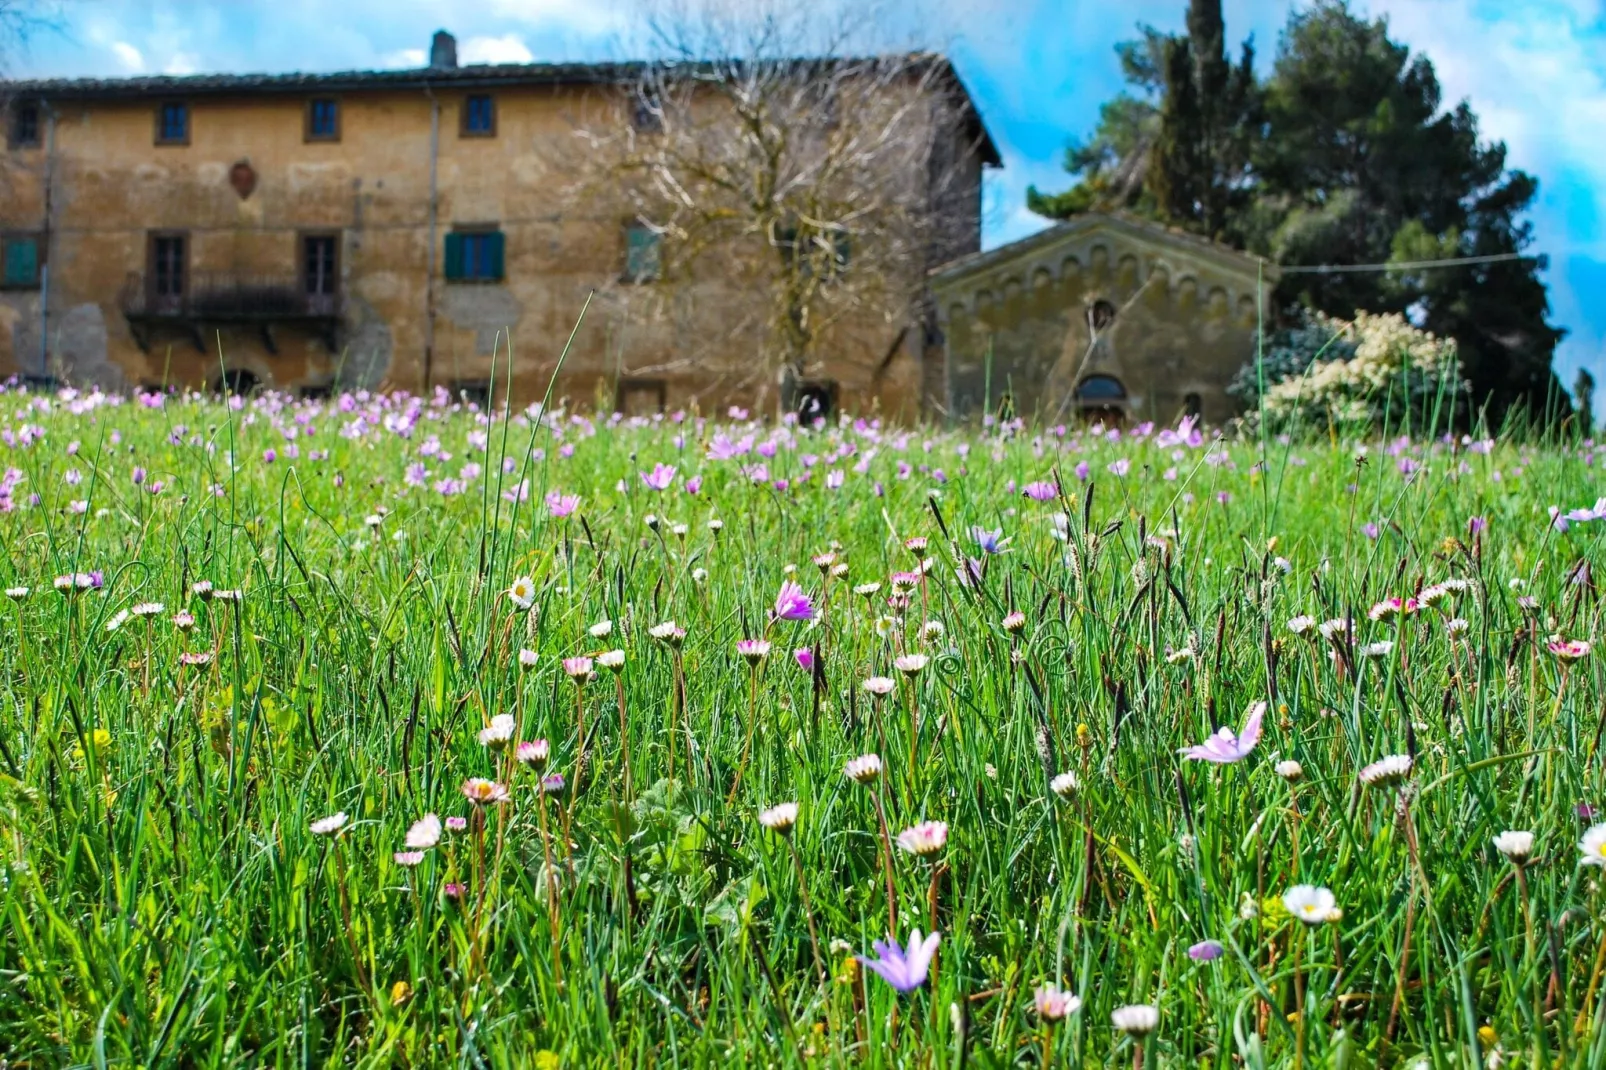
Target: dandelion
1380	649
147	609
552	784
578	669
932	631
792	604
456	824
522	592
528	658
1014	623
1064	785
1386	772
328	826
1456	627
454	890
1302	624
924	839
1179	657
1387	609
117	620
612	660
483	792
1311	904
423	833
1289	770
780	818
904	971
201	589
867	589
197	657
1054	1003
600	630
1516	846
408	858
16	594
1137	1020
1227	746
497	734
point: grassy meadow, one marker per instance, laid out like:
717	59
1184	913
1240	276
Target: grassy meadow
376	731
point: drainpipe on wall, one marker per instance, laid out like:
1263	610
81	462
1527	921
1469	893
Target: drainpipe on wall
429	279
44	241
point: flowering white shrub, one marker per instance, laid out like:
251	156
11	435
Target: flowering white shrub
1396	373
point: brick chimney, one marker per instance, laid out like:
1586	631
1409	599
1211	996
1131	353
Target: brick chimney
443	51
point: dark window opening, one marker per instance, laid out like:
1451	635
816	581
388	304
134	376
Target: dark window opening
640	397
318	264
643	253
25	126
815	400
476	392
479	116
169	269
646	113
1192	405
323	120
474	256
19	262
1101	315
173	124
316	391
237	381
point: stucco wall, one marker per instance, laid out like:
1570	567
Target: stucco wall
1019	322
111	186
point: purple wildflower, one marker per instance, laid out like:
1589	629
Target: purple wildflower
661	476
903	971
792	604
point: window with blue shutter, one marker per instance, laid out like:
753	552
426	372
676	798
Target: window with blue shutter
475	256
323	120
173	123
19	262
643	253
479	116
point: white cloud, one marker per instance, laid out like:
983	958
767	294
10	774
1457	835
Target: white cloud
128	56
406	57
509	48
181	63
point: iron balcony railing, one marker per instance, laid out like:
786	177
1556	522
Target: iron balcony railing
228	296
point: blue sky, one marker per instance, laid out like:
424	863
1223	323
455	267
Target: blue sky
1534	70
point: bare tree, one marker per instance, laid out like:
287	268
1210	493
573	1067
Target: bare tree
778	147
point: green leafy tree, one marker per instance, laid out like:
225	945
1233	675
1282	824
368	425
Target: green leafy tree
1344	155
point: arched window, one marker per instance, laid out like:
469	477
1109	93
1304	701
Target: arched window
1100	316
1100	390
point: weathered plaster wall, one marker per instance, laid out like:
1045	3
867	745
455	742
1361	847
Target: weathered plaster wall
1185	321
112	187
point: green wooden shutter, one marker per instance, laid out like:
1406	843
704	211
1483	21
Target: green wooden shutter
454	256
21	257
494	243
